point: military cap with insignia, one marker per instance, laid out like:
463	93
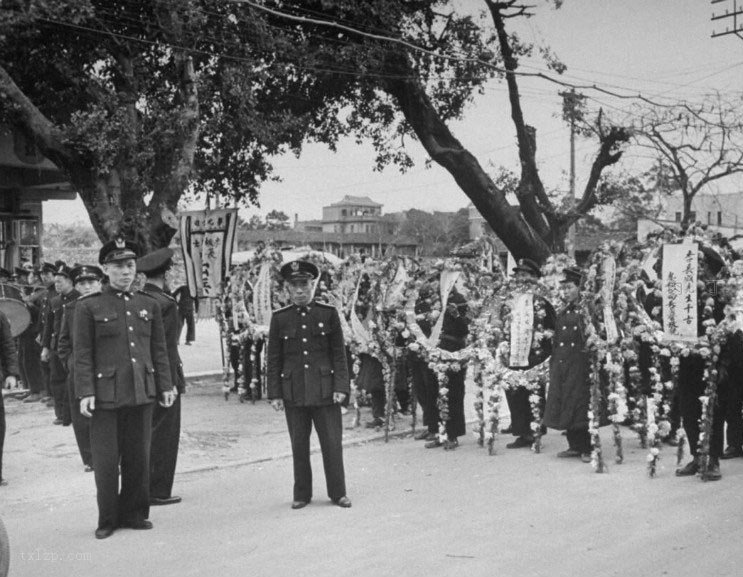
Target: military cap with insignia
529	266
48	267
572	274
118	249
63	270
299	270
85	272
155	262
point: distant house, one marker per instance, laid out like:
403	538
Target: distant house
352	214
27	178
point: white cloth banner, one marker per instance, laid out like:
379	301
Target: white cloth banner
262	295
522	329
680	291
396	291
610	273
207	237
510	264
360	332
447	281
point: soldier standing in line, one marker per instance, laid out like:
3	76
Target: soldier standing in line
121	367
49	340
39	303
166	422
87	280
308	377
187	312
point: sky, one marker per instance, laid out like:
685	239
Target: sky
661	49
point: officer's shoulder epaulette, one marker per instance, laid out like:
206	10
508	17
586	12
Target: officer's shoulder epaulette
93	294
324	305
283	309
145	293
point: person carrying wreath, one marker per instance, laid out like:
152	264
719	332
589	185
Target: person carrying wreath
569	393
527	271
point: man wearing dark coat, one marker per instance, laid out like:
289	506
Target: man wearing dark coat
425	384
517	398
50	340
166	422
40	301
569	392
308	377
87	280
121	369
8	376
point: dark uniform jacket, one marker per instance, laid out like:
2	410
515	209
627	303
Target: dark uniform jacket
569	392
64	343
120	352
306	358
172	326
55	311
8	351
41	300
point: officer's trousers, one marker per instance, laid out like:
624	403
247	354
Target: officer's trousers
426	390
58	381
329	425
166	432
691	387
122	435
80	424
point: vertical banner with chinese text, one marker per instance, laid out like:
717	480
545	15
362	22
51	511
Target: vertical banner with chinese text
679	282
522	329
207	237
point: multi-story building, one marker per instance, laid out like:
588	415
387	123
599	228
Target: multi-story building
352	214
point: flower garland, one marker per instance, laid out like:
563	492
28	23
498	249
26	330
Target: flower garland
532	379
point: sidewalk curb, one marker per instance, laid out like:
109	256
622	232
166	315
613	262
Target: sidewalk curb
288	455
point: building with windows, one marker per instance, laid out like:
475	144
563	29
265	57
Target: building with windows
27	179
352	214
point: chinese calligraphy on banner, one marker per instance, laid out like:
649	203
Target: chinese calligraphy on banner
610	273
522	329
207	237
680	291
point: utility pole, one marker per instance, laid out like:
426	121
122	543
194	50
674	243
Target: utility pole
736	15
572	110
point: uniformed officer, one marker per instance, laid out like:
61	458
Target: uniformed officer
166	422
121	368
308	377
49	340
569	392
87	280
8	376
41	300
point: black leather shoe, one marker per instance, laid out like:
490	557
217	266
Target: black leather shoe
299	504
374	424
506	431
433	443
520	443
139	525
568	454
424	436
690	469
450	445
104	532
732	453
343	502
585	457
3	482
713	470
172	500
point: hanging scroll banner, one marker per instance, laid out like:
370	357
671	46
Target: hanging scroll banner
360	332
522	329
679	283
447	281
610	273
262	296
207	237
396	291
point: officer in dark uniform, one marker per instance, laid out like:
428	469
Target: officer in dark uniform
308	377
121	368
49	340
569	393
166	423
8	376
517	398
42	302
87	280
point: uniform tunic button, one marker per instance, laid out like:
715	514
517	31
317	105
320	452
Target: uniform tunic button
132	344
572	344
105	320
131	328
134	360
129	312
100	375
306	366
575	328
304	340
304	314
304	326
564	327
562	344
286	338
306	353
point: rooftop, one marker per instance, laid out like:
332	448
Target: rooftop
356	201
305	237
